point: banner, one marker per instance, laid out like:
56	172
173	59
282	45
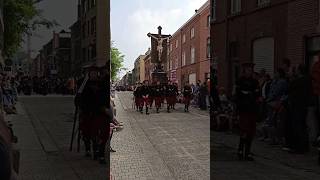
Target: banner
159	47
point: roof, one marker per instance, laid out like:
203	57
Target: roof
199	11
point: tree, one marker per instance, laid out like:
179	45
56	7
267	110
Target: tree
21	17
117	59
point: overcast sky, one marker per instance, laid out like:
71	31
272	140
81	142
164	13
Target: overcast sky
131	21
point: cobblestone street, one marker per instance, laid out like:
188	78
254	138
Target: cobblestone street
160	146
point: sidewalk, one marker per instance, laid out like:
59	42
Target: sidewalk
225	147
43	139
29	144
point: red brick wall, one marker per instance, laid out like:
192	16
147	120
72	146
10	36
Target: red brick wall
302	21
199	42
251	24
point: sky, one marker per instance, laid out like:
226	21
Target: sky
62	11
131	21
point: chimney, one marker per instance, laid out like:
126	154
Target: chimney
196	11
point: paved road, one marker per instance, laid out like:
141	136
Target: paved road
160	146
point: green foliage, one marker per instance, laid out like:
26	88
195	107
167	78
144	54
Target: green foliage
117	59
21	17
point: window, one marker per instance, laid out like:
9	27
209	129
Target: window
263	2
93	25
88	4
235	6
88	26
93	3
84	56
177	43
84	7
93	51
213	11
176	64
170	65
184	38
183	58
192	33
170	47
88	54
208	48
84	30
208	21
193	55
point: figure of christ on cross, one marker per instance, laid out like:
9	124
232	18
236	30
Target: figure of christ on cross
160	48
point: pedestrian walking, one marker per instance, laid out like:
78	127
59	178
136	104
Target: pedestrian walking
137	96
170	95
158	91
145	93
151	96
176	93
247	92
187	96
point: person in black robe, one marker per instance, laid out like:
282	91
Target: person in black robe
299	94
203	92
158	91
94	115
247	93
187	96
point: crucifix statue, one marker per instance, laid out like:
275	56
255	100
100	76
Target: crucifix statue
160	40
159	46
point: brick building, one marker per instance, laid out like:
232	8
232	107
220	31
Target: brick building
189	57
54	59
139	69
263	32
93	21
76	61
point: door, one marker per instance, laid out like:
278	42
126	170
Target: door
263	55
192	78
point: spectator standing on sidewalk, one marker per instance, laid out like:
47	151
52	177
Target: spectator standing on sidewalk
247	92
203	93
197	93
298	99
